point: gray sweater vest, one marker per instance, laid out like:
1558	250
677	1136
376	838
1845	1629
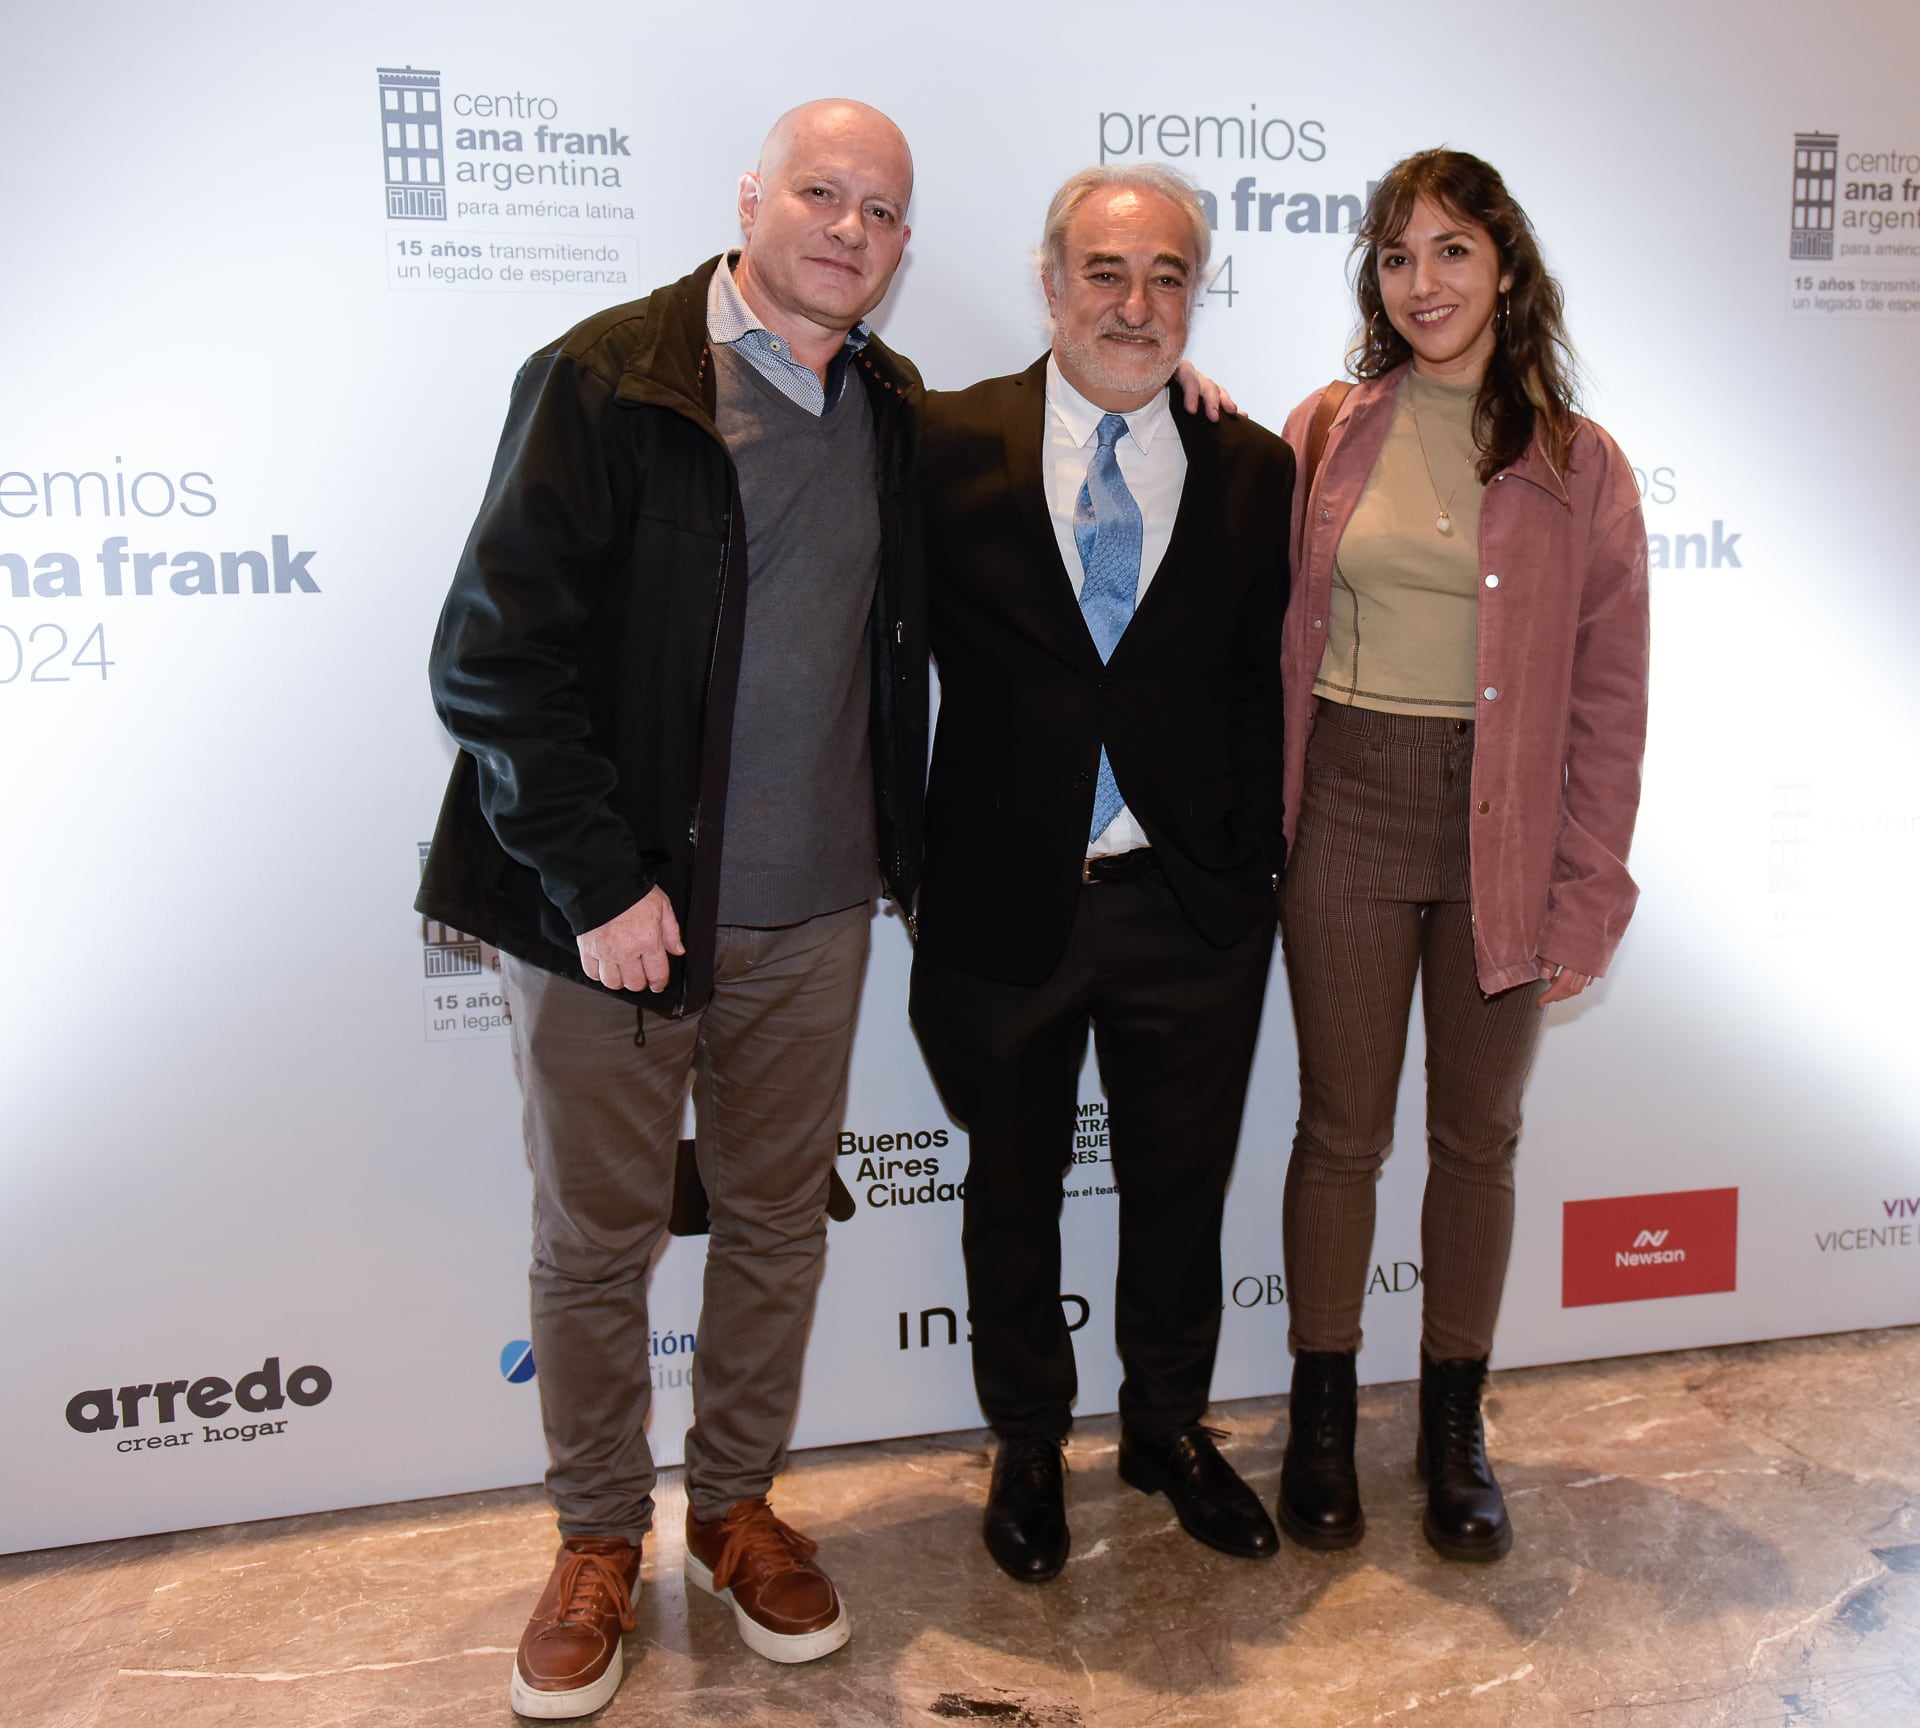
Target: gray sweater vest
800	838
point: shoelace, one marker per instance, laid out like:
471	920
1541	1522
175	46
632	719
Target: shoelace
1216	1435
1335	1431
1036	1462
1462	1434
585	1580
762	1540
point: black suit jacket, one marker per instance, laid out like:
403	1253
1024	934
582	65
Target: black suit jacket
1188	707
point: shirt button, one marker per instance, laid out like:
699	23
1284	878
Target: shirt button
1493	581
1319	623
1484	806
1326	515
1491	694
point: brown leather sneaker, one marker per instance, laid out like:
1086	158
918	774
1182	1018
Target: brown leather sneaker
785	1607
569	1662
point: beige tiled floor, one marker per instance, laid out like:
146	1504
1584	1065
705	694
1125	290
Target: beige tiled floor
1717	1537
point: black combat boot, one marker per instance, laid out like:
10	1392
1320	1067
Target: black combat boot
1319	1492
1466	1516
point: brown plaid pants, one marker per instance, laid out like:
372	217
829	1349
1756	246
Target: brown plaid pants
1376	893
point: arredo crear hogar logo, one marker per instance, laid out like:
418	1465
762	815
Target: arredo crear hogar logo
104	1409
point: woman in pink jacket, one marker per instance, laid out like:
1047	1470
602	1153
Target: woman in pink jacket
1466	681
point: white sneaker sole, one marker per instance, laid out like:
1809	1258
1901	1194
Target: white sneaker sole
775	1646
562	1706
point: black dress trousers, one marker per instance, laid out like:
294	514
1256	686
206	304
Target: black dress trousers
1174	1020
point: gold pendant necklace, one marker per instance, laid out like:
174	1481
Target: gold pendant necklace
1444	521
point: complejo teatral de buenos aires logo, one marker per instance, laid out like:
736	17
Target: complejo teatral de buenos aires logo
1642	1246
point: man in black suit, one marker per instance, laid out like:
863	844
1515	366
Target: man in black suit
1103	842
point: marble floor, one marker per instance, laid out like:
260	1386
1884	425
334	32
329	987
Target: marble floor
1705	1539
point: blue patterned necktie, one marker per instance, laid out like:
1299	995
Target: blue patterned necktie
1106	529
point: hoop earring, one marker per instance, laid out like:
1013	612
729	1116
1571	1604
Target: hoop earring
1373	329
1506	317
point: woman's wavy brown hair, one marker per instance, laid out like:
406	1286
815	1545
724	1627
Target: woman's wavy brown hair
1530	379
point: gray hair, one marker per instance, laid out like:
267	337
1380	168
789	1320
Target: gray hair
1169	183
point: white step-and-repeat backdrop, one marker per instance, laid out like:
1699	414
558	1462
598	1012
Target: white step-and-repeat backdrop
266	278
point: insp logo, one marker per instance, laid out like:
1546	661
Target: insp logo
1076	1309
516	1362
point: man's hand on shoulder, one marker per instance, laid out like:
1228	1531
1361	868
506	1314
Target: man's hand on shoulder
630	952
1198	391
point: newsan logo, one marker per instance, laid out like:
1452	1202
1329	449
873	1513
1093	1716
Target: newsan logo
1639	1247
1648	1250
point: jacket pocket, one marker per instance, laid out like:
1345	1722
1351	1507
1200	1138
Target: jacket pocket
1212	797
968	788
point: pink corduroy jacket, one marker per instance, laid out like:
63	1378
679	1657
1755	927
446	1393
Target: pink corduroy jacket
1561	675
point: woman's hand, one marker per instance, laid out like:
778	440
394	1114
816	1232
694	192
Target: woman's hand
1197	390
1563	983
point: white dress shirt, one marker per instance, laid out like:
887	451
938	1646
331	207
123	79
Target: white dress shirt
1154	465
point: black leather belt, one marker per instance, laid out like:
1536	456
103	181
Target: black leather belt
1119	866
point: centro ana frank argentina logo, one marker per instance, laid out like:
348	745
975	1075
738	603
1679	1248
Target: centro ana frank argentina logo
415	145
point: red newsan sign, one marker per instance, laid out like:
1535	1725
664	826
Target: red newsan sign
1645	1245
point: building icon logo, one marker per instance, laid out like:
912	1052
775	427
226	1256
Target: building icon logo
450	953
411	138
1816	156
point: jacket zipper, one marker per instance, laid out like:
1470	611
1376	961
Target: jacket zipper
713	661
890	553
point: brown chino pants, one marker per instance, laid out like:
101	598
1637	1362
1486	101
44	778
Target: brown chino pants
768	1060
1376	892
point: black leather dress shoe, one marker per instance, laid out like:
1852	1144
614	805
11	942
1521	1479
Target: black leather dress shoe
1213	1504
1025	1526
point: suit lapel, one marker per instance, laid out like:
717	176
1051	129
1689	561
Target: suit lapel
1055	610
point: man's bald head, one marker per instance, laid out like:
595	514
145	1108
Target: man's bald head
825	220
841	119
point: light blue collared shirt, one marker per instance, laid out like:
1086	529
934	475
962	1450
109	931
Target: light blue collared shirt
731	323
